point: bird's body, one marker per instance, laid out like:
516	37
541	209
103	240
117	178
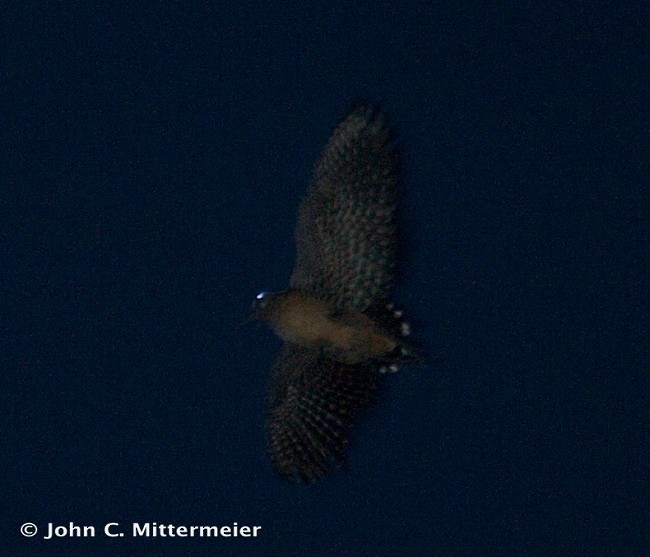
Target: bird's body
336	320
350	337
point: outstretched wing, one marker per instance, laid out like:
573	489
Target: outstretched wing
313	402
346	231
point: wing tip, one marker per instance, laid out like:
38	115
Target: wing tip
368	113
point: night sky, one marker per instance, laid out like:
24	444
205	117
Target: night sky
152	165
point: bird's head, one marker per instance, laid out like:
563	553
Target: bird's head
264	304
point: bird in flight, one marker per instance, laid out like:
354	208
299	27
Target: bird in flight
337	322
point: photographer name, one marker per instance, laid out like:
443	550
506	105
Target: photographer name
149	530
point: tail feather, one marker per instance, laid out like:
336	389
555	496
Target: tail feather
406	353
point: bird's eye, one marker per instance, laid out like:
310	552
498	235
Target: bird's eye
261	300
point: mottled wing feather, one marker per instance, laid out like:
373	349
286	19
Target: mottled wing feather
346	231
313	402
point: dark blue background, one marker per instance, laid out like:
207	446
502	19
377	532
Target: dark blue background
153	162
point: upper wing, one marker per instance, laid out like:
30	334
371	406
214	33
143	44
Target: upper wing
313	401
346	231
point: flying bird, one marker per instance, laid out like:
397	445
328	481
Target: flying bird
339	327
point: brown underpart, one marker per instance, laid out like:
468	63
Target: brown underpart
349	337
